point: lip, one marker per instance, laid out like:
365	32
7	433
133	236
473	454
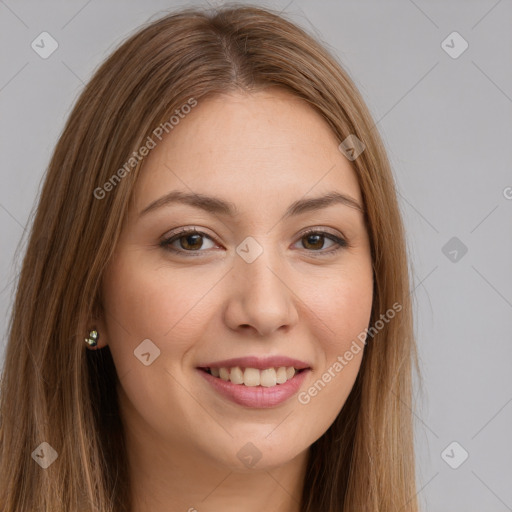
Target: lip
257	397
260	363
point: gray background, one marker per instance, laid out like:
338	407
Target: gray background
447	126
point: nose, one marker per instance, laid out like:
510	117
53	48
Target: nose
261	298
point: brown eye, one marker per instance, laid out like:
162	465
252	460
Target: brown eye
189	241
314	241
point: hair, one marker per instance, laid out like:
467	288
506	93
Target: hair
54	390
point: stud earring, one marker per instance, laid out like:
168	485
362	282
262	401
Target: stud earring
92	340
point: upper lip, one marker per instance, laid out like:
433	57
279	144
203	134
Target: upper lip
260	363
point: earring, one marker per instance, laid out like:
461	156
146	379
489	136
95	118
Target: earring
92	340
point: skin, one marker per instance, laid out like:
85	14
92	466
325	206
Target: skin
260	151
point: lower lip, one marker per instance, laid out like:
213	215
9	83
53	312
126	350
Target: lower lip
256	396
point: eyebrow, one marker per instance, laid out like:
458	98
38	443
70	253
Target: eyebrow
218	206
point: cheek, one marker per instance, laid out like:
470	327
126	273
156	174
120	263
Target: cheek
345	309
349	310
343	304
155	302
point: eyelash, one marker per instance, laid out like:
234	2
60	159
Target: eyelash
166	243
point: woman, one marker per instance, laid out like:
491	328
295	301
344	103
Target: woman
213	311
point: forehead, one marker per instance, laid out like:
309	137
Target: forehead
243	146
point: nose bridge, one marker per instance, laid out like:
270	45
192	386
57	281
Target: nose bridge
262	261
259	296
257	272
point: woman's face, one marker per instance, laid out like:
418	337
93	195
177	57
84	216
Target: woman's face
252	286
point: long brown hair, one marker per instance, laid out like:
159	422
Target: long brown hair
54	390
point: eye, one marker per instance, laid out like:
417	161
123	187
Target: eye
314	239
189	241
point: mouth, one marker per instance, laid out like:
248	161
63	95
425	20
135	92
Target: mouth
254	377
254	388
255	381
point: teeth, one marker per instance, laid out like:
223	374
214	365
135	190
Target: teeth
281	375
236	375
268	378
253	377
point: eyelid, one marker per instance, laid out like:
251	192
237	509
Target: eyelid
185	230
323	230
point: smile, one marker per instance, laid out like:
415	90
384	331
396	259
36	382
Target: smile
250	393
252	377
